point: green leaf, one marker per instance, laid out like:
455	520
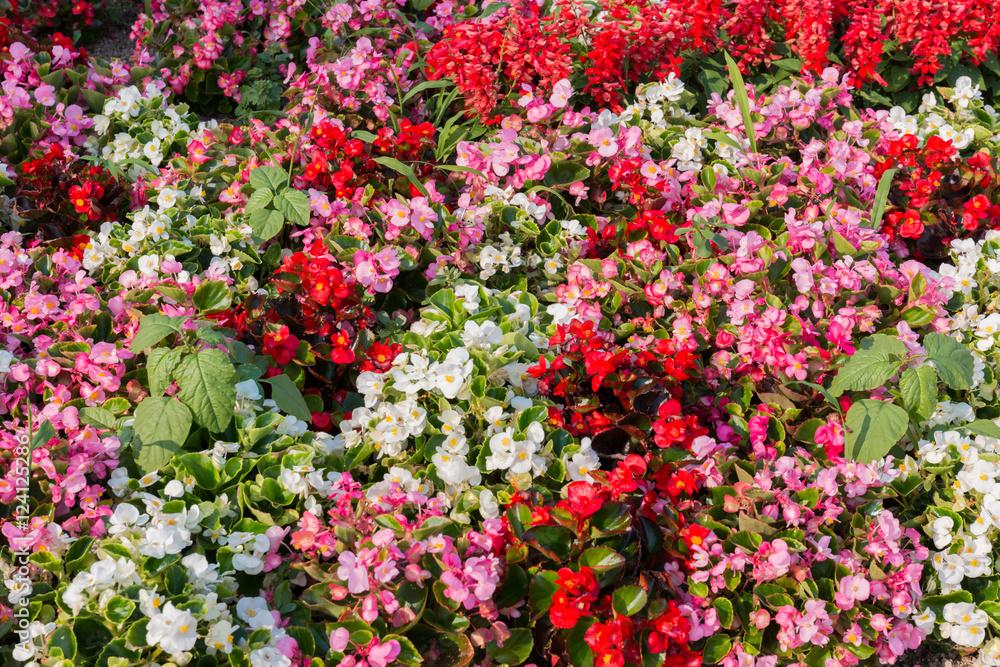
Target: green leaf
628	600
266	224
874	427
420	87
154	328
119	609
984	427
866	369
268	177
954	363
98	417
160	428
41	436
258	200
716	648
160	368
202	469
287	397
564	172
605	563
212	296
881	195
294	205
401	168
742	101
63	638
724	611
515	649
919	389
207	382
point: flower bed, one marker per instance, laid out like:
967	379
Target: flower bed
447	342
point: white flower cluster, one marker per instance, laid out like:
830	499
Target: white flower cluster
687	150
654	102
127	107
964	624
507	257
975	260
933	123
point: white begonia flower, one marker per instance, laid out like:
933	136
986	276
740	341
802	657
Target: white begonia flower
218	246
149	265
482	336
968	624
220	638
269	656
173	489
925	620
927	102
174	630
942	528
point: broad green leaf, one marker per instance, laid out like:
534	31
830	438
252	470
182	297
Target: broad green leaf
873	428
207	382
119	609
258	200
63	638
515	649
266	224
41	435
865	370
919	389
154	328
724	610
212	296
884	342
98	417
288	397
628	600
205	474
985	427
564	172
716	648
160	368
294	205
268	177
954	363
161	426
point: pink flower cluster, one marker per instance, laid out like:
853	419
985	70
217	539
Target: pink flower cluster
380	559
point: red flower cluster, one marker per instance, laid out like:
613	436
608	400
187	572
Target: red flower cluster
408	143
658	225
328	299
281	344
577	591
524	46
931	176
336	162
85	197
57	189
379	357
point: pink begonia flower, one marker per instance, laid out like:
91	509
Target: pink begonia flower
604	139
561	92
45	95
354	573
381	655
339	639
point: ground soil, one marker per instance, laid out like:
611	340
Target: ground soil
113	41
